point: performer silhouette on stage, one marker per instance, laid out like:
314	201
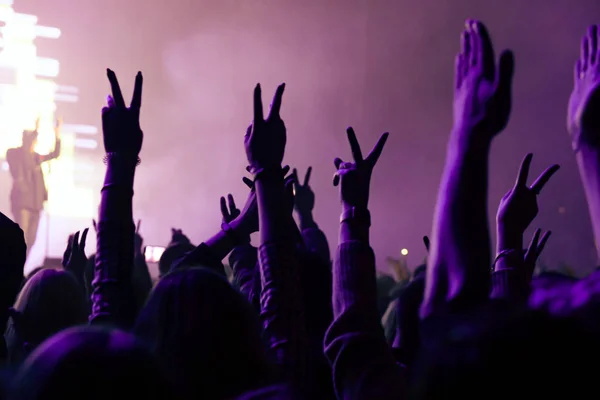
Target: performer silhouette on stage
29	191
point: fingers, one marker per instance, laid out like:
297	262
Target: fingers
276	105
258	107
336	177
137	227
110	101
376	152
458	70
75	246
542	243
545	176
426	242
474	43
307	176
486	50
337	162
504	76
224	211
466	49
524	171
354	146
585	53
531	249
136	100
593	44
231	202
115	88
248	182
84	239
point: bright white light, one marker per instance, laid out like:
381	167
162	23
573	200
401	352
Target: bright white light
80	129
86	143
47	67
47	32
404	252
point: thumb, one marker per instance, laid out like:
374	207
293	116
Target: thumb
289	193
505	73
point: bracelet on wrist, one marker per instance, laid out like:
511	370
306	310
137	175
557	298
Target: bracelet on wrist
357	215
116	156
513	256
276	173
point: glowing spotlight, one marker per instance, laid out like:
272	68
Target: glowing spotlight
404	252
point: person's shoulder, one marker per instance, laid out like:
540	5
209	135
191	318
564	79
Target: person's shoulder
13	151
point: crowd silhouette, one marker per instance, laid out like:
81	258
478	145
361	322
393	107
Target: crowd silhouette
287	320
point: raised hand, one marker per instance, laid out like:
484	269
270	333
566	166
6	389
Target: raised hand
177	236
304	197
138	241
229	213
536	246
265	139
354	178
121	125
583	118
75	259
58	128
482	95
519	206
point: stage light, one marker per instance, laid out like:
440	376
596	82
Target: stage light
404	252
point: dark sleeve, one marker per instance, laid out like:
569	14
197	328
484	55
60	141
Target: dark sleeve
281	311
113	300
509	284
316	242
362	362
243	260
54	154
201	256
14	165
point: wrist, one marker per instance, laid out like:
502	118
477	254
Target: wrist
506	241
238	229
306	220
464	136
354	224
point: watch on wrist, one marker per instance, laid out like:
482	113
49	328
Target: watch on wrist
357	215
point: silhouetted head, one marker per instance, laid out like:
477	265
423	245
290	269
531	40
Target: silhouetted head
90	363
50	301
30	139
171	254
407	306
205	334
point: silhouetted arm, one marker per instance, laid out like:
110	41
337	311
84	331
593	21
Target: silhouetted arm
54	154
112	297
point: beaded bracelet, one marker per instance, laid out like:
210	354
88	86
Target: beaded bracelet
112	155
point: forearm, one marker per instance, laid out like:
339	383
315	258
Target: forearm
355	345
112	297
273	221
460	247
306	220
281	310
222	243
54	154
588	161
